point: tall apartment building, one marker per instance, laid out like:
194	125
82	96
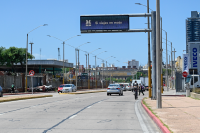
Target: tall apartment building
192	28
133	63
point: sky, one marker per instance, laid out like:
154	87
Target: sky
19	17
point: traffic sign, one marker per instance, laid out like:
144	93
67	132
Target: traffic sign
185	74
31	73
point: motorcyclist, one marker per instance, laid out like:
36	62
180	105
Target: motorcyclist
135	87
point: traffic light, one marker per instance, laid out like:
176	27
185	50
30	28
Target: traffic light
83	69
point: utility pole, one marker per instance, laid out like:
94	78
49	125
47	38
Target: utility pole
31	47
40	53
174	68
166	81
158	75
63	61
78	63
161	54
88	73
58	53
171	66
95	72
86	61
149	54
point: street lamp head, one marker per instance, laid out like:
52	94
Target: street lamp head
99	48
105	51
48	35
78	35
88	42
45	24
138	3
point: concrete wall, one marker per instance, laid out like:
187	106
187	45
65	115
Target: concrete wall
194	95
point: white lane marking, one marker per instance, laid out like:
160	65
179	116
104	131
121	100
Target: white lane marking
142	124
99	102
72	116
145	118
89	107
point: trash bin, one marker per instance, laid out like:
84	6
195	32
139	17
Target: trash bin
187	92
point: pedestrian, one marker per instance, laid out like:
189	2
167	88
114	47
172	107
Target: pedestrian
13	87
135	87
141	87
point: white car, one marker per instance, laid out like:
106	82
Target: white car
69	88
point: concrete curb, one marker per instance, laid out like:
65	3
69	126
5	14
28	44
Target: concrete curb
83	92
23	98
155	119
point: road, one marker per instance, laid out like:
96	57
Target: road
83	113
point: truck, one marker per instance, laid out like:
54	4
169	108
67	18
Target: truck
191	64
145	81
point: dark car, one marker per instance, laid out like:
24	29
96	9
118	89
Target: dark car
1	92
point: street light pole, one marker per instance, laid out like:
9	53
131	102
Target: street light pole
63	60
76	67
26	54
172	67
95	72
166	65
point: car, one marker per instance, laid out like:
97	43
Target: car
1	91
60	88
114	89
48	88
128	88
123	87
69	88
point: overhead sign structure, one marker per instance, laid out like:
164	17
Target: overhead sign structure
115	22
185	74
31	73
185	62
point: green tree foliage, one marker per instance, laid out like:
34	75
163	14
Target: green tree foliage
13	55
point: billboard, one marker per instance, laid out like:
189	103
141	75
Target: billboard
193	48
185	62
115	22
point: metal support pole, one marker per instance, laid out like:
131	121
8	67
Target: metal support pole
153	35
158	79
172	67
26	64
193	82
78	63
32	84
63	61
76	68
166	81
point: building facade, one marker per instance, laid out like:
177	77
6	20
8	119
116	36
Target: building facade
192	28
133	63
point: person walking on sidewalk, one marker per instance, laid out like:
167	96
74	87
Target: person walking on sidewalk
135	87
141	89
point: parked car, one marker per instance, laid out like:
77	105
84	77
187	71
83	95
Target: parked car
114	89
60	88
1	91
40	88
69	88
48	88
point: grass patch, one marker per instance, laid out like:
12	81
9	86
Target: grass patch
194	98
149	107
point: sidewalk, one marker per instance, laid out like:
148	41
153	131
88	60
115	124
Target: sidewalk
180	114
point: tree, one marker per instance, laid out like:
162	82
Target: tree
14	55
2	56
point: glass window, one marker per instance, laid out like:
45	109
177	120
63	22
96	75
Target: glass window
68	85
61	86
195	79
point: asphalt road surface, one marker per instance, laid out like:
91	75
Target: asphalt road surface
83	113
